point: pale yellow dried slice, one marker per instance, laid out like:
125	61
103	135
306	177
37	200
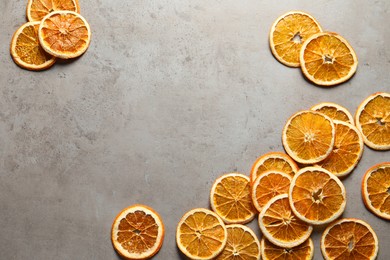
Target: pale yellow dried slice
270	251
334	111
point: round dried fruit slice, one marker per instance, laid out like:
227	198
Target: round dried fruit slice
280	226
270	251
376	190
334	111
137	232
242	243
308	137
373	121
26	50
37	9
288	33
349	239
64	34
267	186
327	59
201	234
317	196
230	198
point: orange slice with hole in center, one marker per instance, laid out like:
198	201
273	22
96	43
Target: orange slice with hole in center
334	111
270	251
37	9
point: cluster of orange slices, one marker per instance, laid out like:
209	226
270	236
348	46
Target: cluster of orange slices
55	29
326	58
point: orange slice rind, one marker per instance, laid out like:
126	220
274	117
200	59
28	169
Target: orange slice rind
334	111
37	9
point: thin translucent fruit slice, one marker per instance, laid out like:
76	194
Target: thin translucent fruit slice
334	111
37	9
270	251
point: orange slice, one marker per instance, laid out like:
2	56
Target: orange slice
317	196
270	251
64	34
242	243
308	137
288	33
37	9
334	111
26	50
280	226
276	161
327	59
137	232
349	239
230	198
347	150
267	186
376	190
201	234
373	121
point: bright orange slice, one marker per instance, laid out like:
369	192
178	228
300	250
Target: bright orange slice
64	34
242	243
376	190
37	9
280	226
373	121
351	239
26	50
327	59
270	251
317	196
273	161
137	232
308	137
268	185
230	198
288	33
334	111
201	234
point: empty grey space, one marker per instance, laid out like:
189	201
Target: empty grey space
169	96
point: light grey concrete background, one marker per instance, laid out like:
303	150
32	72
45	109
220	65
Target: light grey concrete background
170	95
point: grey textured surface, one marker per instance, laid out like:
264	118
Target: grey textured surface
170	95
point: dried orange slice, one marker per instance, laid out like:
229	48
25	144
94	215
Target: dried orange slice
268	185
373	121
270	251
37	9
64	34
242	243
280	226
201	234
347	150
327	59
230	198
308	137
288	33
26	50
376	190
349	239
317	196
137	232
273	161
334	111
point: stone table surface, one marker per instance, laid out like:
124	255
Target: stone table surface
169	96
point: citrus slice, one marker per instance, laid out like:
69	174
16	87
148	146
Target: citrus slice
317	196
334	111
267	186
201	234
327	59
242	243
288	33
308	137
230	198
64	34
376	190
347	150
273	161
373	121
349	239
26	51
137	232
270	251
37	9
280	226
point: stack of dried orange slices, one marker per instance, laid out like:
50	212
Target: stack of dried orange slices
55	29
